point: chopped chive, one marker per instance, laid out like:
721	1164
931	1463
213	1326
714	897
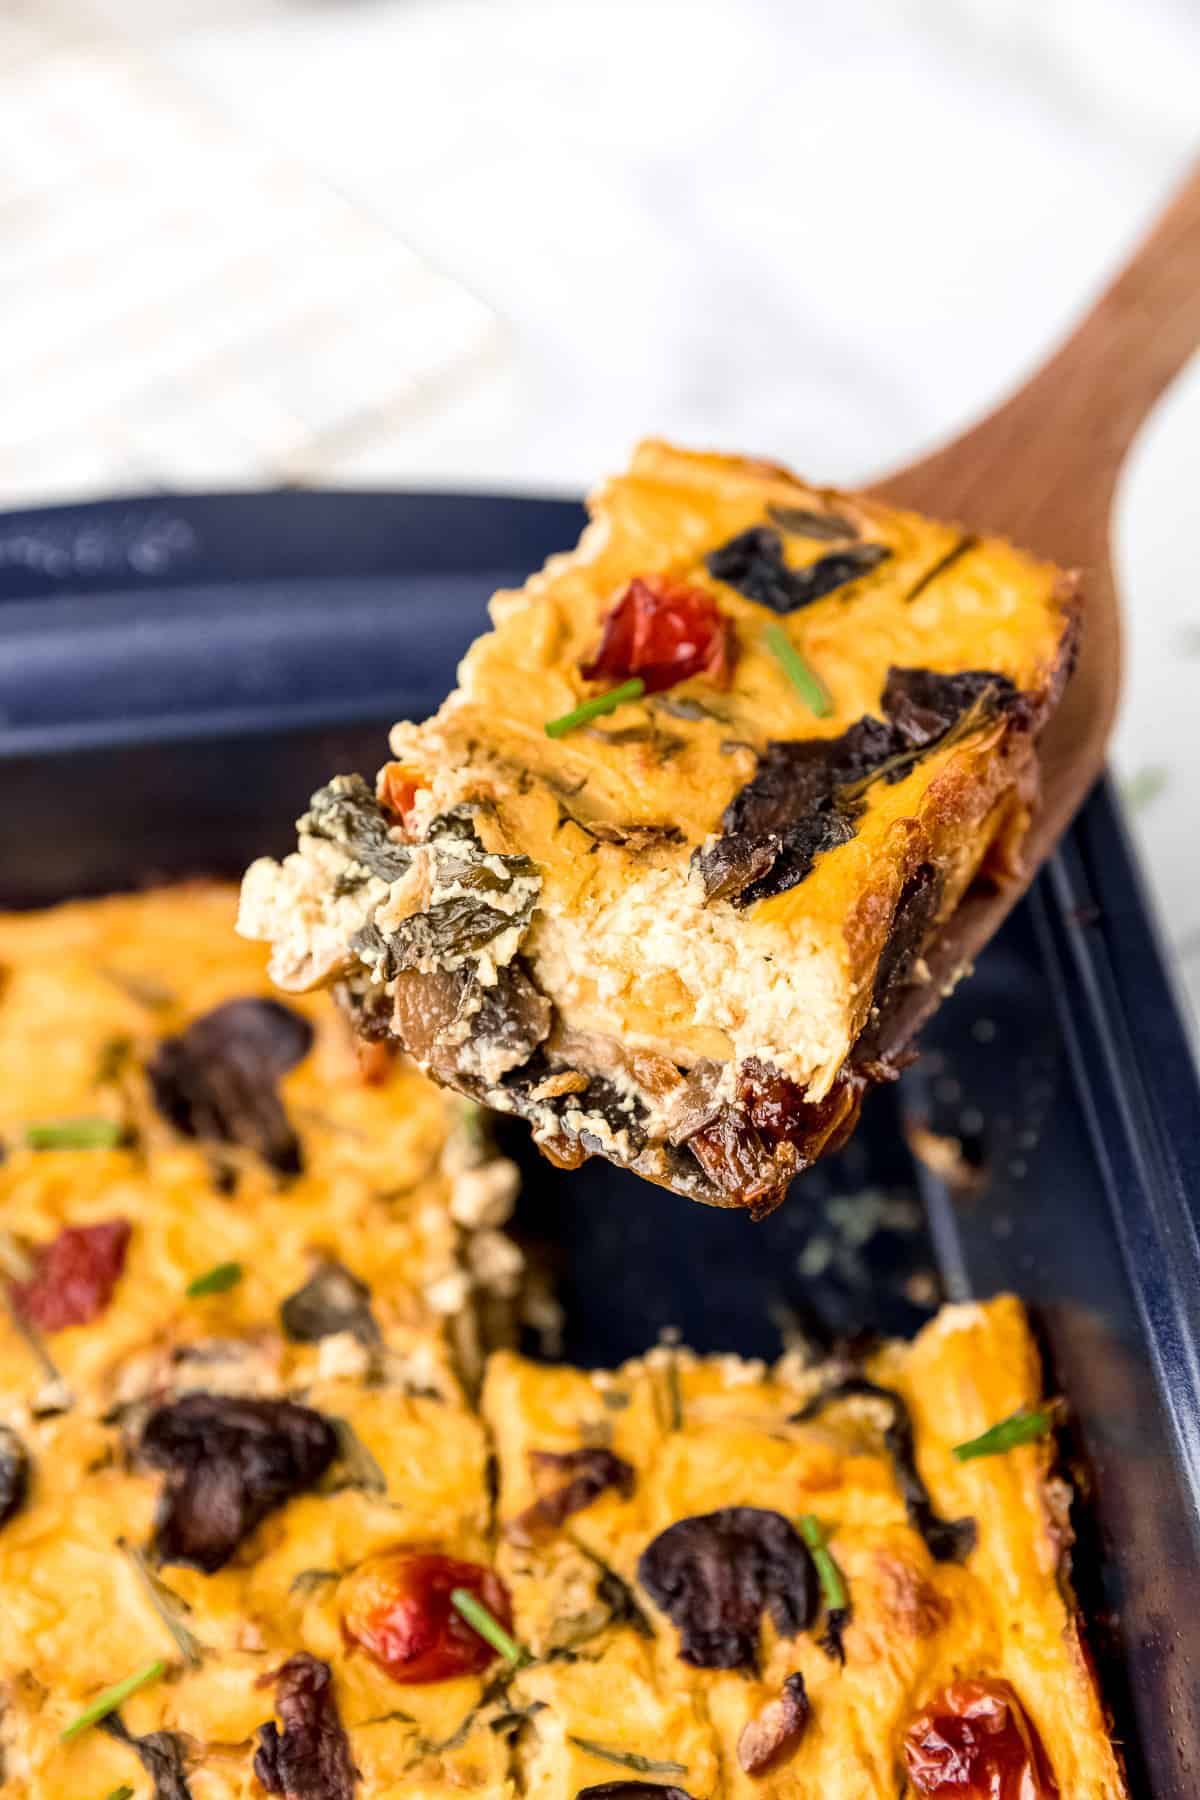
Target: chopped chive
124	1792
110	1699
596	707
217	1280
1022	1427
75	1134
806	681
627	1759
490	1630
833	1587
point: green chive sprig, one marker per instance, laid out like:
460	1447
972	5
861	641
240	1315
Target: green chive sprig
111	1698
1024	1426
75	1134
833	1587
490	1629
217	1280
806	681
596	707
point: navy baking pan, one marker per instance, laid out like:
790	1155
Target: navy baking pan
176	675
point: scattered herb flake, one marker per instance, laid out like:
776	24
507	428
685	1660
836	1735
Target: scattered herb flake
154	995
111	1698
354	1467
1024	1426
805	680
217	1280
803	522
490	1629
955	554
96	1133
124	1792
112	1060
596	707
627	1759
309	1580
167	1604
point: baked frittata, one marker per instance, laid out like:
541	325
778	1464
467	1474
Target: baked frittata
659	870
699	1577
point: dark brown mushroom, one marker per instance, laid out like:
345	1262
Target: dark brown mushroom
715	1574
588	1473
630	1790
331	1300
229	1462
754	564
218	1079
14	1474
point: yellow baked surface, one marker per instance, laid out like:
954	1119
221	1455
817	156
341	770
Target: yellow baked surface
632	939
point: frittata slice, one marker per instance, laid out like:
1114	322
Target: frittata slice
659	869
744	1582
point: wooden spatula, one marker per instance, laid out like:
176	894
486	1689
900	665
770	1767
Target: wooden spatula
1042	469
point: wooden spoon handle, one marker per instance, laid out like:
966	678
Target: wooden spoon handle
1042	468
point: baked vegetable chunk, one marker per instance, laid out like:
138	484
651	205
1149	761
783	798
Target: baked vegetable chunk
771	1602
660	869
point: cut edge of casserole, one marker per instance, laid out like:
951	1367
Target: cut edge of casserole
672	932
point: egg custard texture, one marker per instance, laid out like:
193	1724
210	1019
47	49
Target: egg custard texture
659	869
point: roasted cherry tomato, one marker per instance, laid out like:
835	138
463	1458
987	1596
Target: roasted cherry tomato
396	789
397	1606
74	1275
973	1741
664	632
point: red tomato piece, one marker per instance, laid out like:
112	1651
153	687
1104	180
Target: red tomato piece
397	1606
396	790
973	1741
664	632
74	1275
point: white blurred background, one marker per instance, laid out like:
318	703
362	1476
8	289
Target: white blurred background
488	243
